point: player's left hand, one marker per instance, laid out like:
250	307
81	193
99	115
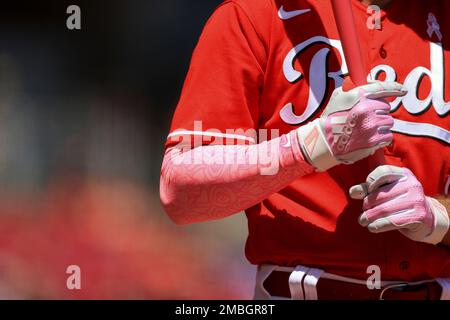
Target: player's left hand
394	200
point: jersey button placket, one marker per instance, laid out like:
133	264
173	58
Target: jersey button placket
382	52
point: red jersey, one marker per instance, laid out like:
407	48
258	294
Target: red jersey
273	64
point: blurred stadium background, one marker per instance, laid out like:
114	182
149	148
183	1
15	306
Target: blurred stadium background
83	119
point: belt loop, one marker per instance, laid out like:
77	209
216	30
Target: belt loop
295	282
445	284
310	283
261	275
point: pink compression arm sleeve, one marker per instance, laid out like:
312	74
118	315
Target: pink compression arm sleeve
216	181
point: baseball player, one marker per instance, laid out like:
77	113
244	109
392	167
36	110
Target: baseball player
268	123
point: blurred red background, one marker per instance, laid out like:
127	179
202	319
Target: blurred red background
105	229
83	119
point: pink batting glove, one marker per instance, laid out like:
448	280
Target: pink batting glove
394	200
354	125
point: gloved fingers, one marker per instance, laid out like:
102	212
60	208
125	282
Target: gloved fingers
383	89
359	191
384	175
381	225
385	124
391	223
385	194
383	139
407	219
384	210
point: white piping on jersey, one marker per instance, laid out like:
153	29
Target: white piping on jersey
421	129
210	134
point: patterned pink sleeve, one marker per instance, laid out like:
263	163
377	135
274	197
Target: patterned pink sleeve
216	181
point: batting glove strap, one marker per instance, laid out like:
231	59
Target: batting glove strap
315	147
441	222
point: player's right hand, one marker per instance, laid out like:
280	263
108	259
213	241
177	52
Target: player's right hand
354	125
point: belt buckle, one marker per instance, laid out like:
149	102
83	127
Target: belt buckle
403	287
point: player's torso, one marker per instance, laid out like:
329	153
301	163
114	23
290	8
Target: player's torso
313	220
306	64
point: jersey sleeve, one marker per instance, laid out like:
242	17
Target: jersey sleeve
221	93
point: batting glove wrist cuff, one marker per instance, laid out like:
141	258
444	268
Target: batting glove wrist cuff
441	222
315	147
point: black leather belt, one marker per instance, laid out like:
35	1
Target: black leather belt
277	284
